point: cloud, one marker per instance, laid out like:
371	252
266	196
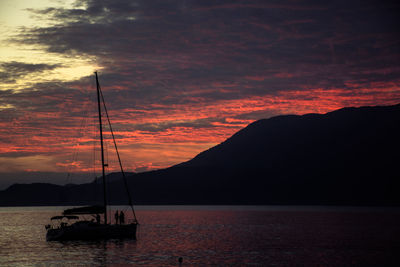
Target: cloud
195	72
161	50
11	71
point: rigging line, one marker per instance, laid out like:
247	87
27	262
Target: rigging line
82	128
119	158
106	157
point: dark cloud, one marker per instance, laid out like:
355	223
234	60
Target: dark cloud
173	52
187	52
201	66
161	127
162	50
10	71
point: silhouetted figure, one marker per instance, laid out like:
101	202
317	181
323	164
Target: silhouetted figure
98	218
121	217
116	217
180	260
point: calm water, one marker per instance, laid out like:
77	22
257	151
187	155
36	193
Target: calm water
215	236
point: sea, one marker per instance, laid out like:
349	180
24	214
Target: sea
214	236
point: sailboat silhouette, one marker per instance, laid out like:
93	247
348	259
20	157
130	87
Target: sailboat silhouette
69	225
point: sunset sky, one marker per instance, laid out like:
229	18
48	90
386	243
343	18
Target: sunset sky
179	76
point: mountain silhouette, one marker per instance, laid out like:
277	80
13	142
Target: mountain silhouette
345	157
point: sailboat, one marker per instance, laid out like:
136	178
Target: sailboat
70	225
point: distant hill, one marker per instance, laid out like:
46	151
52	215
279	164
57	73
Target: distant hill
346	157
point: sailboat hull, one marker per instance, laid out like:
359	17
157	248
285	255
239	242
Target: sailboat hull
92	231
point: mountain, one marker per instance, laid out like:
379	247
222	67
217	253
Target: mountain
348	156
345	157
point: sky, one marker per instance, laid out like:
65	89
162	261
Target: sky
178	77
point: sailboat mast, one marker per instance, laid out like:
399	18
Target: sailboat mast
102	149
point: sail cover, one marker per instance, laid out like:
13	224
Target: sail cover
85	210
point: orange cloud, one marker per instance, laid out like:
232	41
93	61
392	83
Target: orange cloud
162	135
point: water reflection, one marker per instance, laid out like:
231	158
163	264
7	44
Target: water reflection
212	237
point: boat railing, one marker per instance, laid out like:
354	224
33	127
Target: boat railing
61	221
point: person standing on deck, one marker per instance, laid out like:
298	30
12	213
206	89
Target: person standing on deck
116	217
121	217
